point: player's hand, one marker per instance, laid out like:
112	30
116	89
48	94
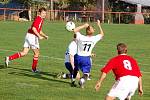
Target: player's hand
93	55
86	25
97	86
140	91
98	22
46	37
40	37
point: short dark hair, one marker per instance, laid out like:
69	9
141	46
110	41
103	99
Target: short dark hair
88	28
122	48
42	9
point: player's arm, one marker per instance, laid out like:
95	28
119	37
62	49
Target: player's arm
140	89
77	29
108	67
100	28
99	82
36	32
44	35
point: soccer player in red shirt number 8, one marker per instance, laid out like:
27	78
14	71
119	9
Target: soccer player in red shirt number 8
127	73
32	40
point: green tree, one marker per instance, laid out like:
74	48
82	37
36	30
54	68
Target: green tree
4	1
30	3
26	3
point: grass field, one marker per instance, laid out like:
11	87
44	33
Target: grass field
17	82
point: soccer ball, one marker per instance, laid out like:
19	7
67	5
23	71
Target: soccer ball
70	26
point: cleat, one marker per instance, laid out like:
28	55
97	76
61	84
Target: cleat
88	78
81	83
35	71
6	61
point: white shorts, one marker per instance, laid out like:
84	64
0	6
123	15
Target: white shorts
31	41
124	87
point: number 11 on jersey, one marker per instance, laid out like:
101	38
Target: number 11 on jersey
87	47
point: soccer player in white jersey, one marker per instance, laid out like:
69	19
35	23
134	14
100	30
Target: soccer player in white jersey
69	61
85	44
69	57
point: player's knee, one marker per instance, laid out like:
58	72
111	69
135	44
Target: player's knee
128	98
36	54
23	53
109	98
78	76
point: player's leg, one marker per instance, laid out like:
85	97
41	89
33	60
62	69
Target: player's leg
117	91
75	71
66	75
73	79
34	44
78	76
85	68
69	68
83	80
27	44
89	75
16	55
128	98
35	59
110	98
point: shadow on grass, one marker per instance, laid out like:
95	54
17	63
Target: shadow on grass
29	73
52	74
2	66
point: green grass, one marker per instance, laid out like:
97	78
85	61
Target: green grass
17	82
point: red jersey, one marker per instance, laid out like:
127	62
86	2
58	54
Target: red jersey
38	22
122	65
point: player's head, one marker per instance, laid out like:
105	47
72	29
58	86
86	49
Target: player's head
122	48
89	30
42	12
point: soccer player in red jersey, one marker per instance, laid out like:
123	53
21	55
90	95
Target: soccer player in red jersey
128	75
32	38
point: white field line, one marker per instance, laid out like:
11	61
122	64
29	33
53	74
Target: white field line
55	58
61	59
26	85
32	54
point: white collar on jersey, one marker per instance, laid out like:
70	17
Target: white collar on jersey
123	54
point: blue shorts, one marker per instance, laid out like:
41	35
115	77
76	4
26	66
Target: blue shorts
83	63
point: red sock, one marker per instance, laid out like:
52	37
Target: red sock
15	56
34	63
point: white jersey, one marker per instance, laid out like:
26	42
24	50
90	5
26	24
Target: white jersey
71	50
85	44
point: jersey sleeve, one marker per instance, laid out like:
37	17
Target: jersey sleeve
72	48
108	67
78	35
98	37
139	74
